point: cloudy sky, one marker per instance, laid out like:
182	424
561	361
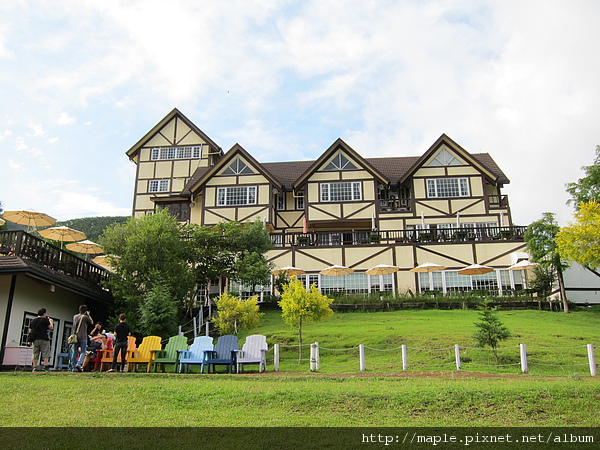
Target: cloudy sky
82	81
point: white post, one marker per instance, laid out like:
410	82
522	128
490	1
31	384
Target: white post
276	357
523	351
194	326
313	357
592	359
457	356
318	355
361	355
179	333
404	358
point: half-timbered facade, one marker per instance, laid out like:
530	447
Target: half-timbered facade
445	206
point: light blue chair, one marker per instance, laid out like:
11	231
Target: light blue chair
195	354
224	354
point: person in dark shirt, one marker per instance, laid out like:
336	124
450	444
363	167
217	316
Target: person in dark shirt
122	331
38	329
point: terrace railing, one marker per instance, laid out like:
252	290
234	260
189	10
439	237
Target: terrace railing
38	251
398	237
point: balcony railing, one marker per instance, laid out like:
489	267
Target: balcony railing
32	248
398	237
498	201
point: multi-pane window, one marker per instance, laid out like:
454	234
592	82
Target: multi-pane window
339	162
235	196
187	152
445	158
448	187
238	167
280	201
300	201
341	191
158	186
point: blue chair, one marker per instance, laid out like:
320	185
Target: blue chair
224	354
195	354
62	361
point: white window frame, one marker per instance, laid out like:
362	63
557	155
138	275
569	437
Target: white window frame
158	185
300	201
167	153
435	188
354	187
236	196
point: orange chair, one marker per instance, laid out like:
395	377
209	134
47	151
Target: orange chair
107	355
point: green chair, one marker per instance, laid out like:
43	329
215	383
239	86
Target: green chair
170	354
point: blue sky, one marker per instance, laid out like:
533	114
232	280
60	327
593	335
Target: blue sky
82	81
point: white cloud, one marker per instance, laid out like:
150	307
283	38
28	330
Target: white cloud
65	119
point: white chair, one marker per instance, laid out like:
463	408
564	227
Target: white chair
254	351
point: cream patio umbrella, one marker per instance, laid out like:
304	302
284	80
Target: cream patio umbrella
428	267
336	271
32	219
86	246
524	265
2	221
289	271
382	269
475	269
62	234
105	260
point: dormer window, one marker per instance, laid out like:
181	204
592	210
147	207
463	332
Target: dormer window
447	187
340	162
238	167
341	191
445	158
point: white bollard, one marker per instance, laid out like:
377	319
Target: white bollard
591	359
457	356
276	357
314	357
404	358
523	351
361	355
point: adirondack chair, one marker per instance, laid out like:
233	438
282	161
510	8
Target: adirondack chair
170	354
195	354
97	360
254	351
224	354
107	355
143	354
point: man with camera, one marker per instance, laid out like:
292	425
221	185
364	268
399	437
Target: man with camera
81	322
38	338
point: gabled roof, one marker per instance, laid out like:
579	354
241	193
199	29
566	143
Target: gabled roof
202	176
132	152
486	169
339	144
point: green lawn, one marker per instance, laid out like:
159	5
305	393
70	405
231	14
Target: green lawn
555	393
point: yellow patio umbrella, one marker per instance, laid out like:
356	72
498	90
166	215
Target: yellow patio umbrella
289	271
63	234
336	271
428	267
32	219
475	269
382	269
86	246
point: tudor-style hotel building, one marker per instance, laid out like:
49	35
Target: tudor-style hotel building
444	207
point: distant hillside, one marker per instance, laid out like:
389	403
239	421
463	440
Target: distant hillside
93	227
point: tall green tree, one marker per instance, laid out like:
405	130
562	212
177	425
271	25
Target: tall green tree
587	188
541	245
299	306
150	252
580	241
158	312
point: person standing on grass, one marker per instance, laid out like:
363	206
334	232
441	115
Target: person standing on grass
39	328
122	331
81	322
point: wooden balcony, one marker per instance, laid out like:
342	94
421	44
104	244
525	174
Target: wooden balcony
34	249
398	237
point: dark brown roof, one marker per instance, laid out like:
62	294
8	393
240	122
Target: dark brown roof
393	168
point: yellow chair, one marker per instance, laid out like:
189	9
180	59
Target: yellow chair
144	353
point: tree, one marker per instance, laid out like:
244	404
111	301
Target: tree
234	315
587	189
580	241
490	331
158	312
542	281
541	245
150	251
299	305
